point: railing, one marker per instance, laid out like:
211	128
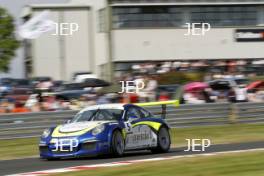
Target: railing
196	115
249	112
32	124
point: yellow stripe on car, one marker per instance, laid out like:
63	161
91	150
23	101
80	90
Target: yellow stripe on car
57	133
155	125
124	133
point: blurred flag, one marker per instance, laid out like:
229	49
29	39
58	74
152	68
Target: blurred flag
36	26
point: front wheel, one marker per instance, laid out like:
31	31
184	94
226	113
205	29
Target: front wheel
164	141
117	144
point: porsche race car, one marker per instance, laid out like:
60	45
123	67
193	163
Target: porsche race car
106	129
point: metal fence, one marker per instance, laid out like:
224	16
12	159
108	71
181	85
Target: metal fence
196	115
32	124
248	112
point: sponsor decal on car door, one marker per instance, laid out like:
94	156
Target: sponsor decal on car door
140	136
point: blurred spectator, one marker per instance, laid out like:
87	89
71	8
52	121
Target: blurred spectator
102	99
83	101
19	108
208	95
74	105
142	94
32	101
45	85
50	103
189	98
148	93
164	96
256	95
133	98
91	99
241	93
63	104
5	106
151	87
208	77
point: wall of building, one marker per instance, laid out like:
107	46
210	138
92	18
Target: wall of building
46	52
99	38
59	56
172	44
101	47
79	55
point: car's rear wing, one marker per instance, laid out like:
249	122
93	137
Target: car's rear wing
163	105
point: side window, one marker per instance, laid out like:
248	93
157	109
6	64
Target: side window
145	114
133	114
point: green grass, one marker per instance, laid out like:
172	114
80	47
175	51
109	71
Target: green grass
219	134
19	148
239	164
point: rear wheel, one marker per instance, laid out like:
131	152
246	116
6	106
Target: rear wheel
164	141
117	144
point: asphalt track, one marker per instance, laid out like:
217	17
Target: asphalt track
35	164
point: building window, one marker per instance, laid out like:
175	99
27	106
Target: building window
177	16
182	1
102	20
154	16
225	15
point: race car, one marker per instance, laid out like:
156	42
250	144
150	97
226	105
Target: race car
106	129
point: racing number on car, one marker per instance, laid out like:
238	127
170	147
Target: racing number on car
128	126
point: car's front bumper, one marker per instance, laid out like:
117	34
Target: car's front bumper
83	148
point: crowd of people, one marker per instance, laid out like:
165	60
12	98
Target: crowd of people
234	95
213	89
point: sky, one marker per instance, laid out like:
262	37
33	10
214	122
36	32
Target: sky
14	7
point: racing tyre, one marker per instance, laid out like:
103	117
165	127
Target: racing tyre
164	141
117	144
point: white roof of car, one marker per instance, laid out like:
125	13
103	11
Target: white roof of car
105	106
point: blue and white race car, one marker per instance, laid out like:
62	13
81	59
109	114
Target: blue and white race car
104	129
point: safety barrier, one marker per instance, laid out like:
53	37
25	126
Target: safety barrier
32	124
196	115
248	112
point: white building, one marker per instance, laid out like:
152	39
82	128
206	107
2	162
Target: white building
131	31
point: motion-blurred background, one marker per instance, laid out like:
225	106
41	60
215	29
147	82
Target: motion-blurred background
59	56
122	40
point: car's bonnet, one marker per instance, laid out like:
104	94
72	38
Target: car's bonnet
78	126
75	129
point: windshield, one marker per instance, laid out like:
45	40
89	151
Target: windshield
98	115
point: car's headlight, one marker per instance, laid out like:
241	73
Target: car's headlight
98	129
46	133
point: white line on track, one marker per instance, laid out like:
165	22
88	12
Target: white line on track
123	163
